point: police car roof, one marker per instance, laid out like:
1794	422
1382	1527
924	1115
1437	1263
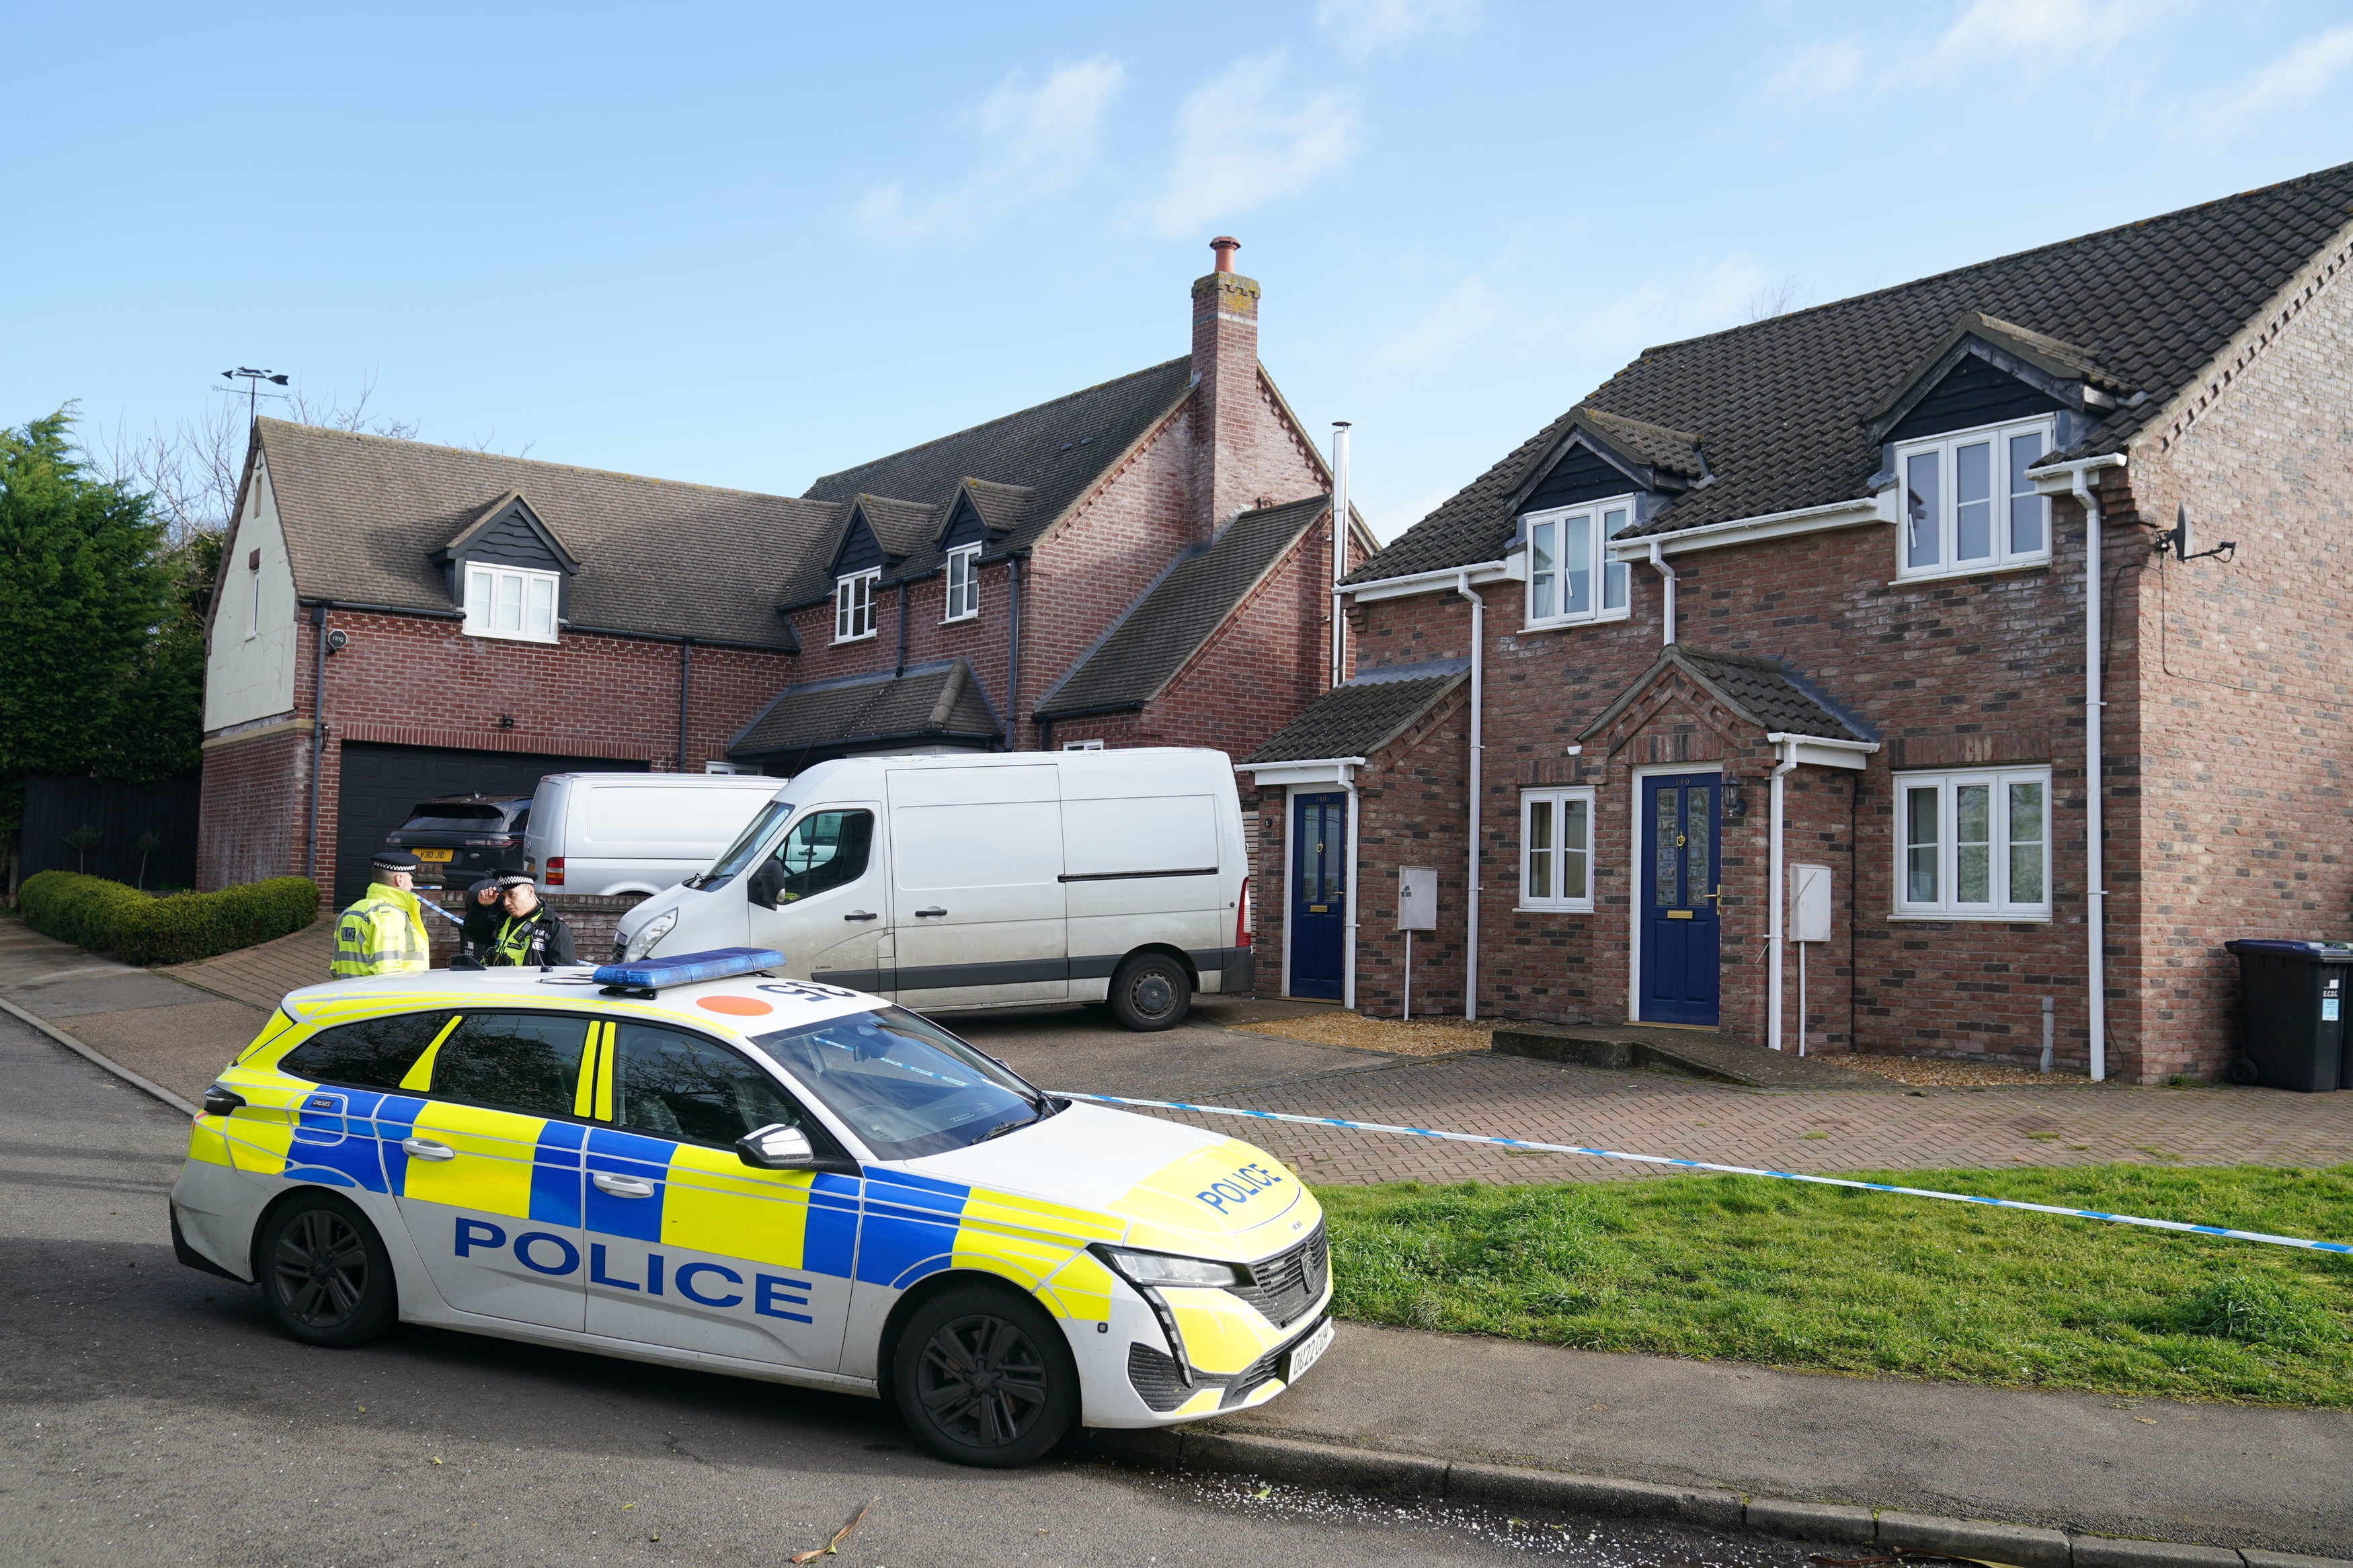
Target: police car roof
749	1003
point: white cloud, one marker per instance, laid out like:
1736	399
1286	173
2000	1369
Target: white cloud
1246	137
1363	28
1444	329
2045	32
1818	70
1702	299
2296	77
1032	144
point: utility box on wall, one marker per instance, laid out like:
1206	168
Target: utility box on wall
1809	903
1417	897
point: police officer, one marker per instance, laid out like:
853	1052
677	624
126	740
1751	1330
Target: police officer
484	910
531	933
384	931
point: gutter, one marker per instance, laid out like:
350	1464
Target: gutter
2096	891
1803	520
1435	581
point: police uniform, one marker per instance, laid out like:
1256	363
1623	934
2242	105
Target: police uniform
540	937
383	932
478	931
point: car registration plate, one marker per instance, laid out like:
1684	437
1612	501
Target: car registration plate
1306	1353
436	855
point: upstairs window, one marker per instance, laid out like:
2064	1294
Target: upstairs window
964	584
1967	503
511	602
853	606
1570	576
1973	844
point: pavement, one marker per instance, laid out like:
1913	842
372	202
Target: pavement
2226	1476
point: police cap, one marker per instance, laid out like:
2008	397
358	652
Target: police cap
393	860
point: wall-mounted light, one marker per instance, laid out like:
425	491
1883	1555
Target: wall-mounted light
1735	808
506	721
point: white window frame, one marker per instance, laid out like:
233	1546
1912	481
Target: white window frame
1546	599
1912	520
1948	905
1082	745
1559	863
853	605
535	597
962	574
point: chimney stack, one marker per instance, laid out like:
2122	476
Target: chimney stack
1226	397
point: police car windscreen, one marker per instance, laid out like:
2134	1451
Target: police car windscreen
908	1087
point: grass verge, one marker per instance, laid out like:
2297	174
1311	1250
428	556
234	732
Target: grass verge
1748	1269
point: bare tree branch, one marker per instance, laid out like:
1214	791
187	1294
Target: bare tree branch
1777	298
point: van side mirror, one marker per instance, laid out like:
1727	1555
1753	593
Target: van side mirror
776	1147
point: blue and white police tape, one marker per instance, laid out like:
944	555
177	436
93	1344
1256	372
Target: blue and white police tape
1728	1170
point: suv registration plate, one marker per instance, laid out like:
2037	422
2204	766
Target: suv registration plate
1306	1353
438	857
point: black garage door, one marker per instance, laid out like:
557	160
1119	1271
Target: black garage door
381	784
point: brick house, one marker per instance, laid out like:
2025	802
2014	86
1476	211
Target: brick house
1808	604
1148	561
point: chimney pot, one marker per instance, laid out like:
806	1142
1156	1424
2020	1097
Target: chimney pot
1225	244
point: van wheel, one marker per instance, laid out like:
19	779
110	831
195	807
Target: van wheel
982	1376
325	1275
1151	991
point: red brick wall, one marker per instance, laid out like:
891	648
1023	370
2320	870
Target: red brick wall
408	681
2228	685
250	810
1988	663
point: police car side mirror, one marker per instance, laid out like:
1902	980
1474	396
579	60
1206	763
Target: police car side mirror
776	1147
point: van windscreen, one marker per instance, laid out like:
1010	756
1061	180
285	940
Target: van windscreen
749	843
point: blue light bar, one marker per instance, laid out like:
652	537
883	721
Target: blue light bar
686	968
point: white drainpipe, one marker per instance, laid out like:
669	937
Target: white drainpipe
1348	958
1667	575
1773	917
2096	891
1339	554
1478	790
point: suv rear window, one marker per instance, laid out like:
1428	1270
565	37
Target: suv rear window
432	815
375	1053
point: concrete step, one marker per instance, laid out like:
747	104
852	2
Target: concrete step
1696	1053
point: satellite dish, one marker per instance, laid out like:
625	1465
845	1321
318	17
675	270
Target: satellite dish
2180	531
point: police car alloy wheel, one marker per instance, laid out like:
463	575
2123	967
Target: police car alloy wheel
982	1376
1150	991
324	1274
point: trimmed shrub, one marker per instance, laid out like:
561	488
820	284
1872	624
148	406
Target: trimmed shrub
142	928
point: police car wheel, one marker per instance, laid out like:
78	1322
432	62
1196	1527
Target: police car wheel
325	1273
982	1376
1151	991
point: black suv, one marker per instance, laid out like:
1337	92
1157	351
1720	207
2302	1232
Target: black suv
459	839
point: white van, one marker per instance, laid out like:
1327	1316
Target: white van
634	833
973	879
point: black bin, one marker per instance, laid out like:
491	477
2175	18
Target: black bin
2292	996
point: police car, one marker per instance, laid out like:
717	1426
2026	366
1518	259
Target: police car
693	1162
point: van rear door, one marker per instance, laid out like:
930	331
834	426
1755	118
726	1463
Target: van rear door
977	895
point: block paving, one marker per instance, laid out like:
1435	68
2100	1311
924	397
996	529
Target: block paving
1821	1131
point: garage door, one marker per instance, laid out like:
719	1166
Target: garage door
381	784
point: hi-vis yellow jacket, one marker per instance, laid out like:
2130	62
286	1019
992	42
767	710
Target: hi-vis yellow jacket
382	933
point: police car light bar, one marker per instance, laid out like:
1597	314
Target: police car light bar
649	976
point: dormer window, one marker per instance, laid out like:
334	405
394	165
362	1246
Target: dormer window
1968	505
511	602
1570	576
964	584
853	606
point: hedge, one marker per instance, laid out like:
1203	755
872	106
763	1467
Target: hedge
142	928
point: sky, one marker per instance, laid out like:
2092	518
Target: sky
751	244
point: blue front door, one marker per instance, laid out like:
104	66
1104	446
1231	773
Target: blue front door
1319	893
1680	933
